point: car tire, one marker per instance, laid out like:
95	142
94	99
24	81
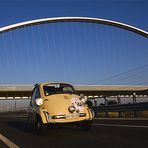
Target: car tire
86	125
39	127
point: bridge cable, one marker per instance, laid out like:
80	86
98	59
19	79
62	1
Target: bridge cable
132	75
120	74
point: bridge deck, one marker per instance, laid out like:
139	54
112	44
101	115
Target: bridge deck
99	90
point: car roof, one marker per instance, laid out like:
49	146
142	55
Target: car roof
45	83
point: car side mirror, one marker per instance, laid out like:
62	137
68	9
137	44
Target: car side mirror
82	96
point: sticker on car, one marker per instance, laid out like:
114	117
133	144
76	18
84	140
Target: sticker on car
77	103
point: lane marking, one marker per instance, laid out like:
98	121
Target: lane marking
131	119
121	125
9	143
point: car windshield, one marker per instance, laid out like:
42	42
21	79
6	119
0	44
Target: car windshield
50	89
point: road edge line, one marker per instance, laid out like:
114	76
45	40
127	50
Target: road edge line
8	142
121	125
130	119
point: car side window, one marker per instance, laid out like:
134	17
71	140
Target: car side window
35	95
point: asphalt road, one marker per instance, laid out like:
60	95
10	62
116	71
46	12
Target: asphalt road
104	133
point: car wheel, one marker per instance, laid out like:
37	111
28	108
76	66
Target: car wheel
86	125
39	127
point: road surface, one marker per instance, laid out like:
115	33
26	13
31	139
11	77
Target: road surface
104	133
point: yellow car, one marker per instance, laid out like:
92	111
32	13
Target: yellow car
53	103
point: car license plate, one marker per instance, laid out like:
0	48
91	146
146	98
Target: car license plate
72	116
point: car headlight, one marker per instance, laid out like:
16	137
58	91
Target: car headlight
71	109
39	101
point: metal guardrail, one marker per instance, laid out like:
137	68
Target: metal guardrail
21	112
18	112
122	107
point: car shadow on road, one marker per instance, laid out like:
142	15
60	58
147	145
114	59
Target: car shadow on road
24	126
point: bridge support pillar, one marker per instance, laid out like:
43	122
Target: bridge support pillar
105	100
106	113
134	101
95	105
119	102
15	105
95	102
134	98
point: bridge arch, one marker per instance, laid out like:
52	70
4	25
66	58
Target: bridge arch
74	19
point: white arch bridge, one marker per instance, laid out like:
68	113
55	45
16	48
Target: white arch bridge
15	92
74	19
88	20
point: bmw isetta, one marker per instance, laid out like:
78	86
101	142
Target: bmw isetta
54	103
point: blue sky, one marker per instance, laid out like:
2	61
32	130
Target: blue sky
79	53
